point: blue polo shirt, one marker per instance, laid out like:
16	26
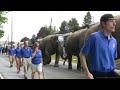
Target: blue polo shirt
0	49
18	52
37	57
26	52
11	51
101	52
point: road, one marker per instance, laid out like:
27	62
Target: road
50	72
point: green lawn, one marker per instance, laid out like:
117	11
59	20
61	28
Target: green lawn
74	60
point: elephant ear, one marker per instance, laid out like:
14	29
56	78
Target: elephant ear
54	40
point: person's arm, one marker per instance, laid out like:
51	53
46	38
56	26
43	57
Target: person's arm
116	49
42	60
33	54
85	51
21	53
15	52
84	65
8	53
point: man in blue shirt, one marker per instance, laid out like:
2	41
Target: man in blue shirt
26	53
18	57
11	53
101	48
0	49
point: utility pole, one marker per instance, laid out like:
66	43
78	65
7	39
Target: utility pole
93	19
51	24
8	39
11	31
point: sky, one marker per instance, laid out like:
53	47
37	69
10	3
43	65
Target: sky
27	23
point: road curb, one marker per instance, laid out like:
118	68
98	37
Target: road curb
2	76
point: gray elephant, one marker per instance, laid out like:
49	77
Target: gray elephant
73	46
50	45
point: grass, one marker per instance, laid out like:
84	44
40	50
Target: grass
117	63
74	58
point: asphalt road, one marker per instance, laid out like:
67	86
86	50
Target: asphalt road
50	72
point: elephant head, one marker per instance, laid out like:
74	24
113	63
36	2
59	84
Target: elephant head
61	43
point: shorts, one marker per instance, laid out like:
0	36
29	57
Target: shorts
11	57
36	67
18	58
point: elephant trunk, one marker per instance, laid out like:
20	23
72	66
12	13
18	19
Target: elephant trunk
63	54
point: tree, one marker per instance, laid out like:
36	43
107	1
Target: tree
1	33
45	31
33	39
3	20
52	29
11	43
87	19
73	25
24	39
64	27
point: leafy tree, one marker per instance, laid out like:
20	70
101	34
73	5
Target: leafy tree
45	31
1	33
64	27
11	43
73	25
87	19
24	39
33	39
3	20
52	29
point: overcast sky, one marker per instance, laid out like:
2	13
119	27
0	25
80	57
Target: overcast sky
27	23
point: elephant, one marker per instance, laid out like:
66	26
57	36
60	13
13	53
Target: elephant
73	45
50	45
116	34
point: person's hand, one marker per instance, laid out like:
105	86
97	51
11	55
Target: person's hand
36	50
89	75
33	54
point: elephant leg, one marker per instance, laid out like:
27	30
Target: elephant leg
78	63
70	62
79	67
44	60
57	60
48	59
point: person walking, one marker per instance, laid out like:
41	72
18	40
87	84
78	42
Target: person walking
36	65
26	53
18	57
11	53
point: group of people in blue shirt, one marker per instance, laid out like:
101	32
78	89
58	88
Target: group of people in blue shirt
29	57
4	50
100	47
